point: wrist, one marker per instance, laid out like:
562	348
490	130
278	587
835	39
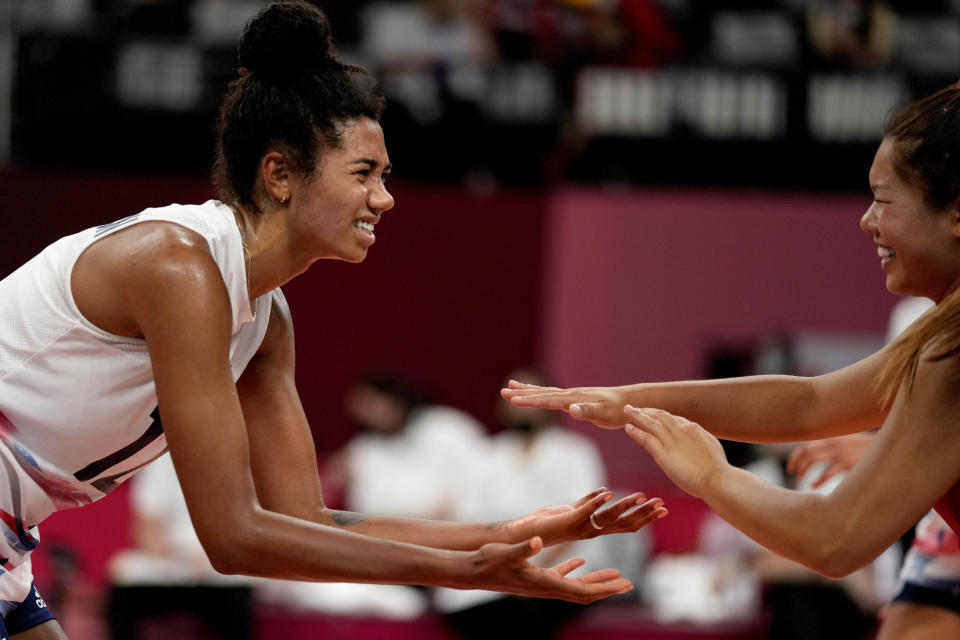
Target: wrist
453	570
636	395
715	480
510	531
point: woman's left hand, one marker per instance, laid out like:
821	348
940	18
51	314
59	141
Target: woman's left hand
568	522
683	449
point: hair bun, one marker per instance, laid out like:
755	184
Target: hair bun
287	40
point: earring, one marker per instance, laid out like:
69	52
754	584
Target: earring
284	198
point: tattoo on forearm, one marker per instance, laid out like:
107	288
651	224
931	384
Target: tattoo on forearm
347	518
493	526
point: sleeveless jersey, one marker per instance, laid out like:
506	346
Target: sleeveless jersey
78	407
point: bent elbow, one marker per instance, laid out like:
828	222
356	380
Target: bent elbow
227	561
837	560
835	568
232	551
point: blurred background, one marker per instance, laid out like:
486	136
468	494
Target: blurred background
609	190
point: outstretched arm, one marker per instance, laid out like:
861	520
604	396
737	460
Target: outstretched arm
912	463
750	409
278	430
169	290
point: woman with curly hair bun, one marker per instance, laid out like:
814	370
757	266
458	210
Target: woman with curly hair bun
168	330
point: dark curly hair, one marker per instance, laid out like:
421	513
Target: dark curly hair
292	93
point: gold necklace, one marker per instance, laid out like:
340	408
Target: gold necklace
243	242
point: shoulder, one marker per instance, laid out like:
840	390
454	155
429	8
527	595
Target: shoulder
931	396
158	251
123	278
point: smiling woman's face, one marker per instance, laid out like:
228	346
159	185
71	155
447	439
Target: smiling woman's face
917	245
336	207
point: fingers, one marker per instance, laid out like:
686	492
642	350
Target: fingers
516	384
618	508
596	412
534	546
828	473
603	575
646	430
567	566
537	398
593	591
651	428
627	516
802	458
522	551
592	496
591	587
515	387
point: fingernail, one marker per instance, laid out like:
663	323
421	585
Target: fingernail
662	513
576	410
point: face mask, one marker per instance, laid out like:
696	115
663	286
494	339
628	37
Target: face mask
522	426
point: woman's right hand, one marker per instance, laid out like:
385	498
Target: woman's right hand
603	406
686	452
507	568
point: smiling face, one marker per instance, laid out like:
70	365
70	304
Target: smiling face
918	246
336	207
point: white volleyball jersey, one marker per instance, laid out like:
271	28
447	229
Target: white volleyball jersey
78	407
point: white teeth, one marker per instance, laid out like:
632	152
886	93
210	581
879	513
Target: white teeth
363	226
885	252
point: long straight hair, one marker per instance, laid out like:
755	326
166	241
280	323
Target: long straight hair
935	336
926	139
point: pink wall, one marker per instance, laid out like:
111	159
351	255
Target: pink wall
639	282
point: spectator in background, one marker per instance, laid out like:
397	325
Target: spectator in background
851	33
409	451
431	55
532	459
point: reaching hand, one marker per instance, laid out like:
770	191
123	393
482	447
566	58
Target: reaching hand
603	406
840	453
507	568
683	449
567	522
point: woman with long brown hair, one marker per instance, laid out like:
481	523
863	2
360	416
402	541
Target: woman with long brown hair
911	387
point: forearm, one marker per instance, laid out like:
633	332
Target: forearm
438	534
268	544
767	408
818	531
